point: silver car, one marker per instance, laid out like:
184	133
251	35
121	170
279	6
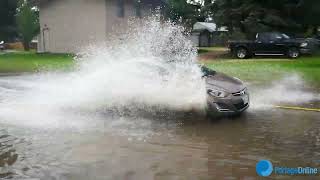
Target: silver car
225	95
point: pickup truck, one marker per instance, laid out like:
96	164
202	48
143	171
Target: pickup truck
2	47
270	44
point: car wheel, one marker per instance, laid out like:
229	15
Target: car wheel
293	52
241	53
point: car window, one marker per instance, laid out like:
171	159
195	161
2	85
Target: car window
207	72
285	36
267	37
263	37
275	36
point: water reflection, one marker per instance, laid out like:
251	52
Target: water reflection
160	144
194	149
8	155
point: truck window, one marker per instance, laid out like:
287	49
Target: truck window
275	36
263	37
285	36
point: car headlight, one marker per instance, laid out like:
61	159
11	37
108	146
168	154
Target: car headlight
217	93
304	44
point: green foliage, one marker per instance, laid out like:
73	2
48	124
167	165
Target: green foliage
308	12
183	12
252	16
7	20
223	37
237	35
27	22
309	32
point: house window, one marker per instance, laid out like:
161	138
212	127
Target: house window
120	8
138	8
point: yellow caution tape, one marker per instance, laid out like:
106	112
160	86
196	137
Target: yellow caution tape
298	108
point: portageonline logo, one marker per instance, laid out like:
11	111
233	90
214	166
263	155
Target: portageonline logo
265	168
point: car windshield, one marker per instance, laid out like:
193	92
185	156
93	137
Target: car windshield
207	72
285	36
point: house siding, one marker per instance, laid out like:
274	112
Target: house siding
68	26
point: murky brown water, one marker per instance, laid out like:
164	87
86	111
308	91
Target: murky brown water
163	146
193	149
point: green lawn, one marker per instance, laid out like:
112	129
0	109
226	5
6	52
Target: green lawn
216	48
260	69
30	62
267	69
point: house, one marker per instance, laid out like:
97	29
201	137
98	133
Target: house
206	34
69	25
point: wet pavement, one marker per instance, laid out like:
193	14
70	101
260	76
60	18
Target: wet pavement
165	145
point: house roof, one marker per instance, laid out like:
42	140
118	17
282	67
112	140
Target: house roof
211	27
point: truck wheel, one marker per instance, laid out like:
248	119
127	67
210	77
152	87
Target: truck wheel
241	53
293	53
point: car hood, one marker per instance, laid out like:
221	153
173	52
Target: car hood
224	82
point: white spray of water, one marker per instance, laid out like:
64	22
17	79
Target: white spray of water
153	65
291	89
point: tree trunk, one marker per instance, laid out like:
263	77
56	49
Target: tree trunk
315	30
26	45
230	28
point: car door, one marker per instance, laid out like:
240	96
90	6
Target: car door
276	44
262	44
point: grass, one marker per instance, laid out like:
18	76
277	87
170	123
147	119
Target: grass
259	69
16	62
256	69
215	48
211	49
269	69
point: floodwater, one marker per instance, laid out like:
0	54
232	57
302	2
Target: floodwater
134	110
163	144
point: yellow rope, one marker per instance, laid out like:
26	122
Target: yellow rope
298	108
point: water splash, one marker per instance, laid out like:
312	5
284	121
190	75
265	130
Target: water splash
151	66
291	89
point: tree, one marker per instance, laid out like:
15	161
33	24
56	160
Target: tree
183	12
7	19
307	15
252	16
27	19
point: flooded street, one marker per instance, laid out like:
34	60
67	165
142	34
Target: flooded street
160	145
134	110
